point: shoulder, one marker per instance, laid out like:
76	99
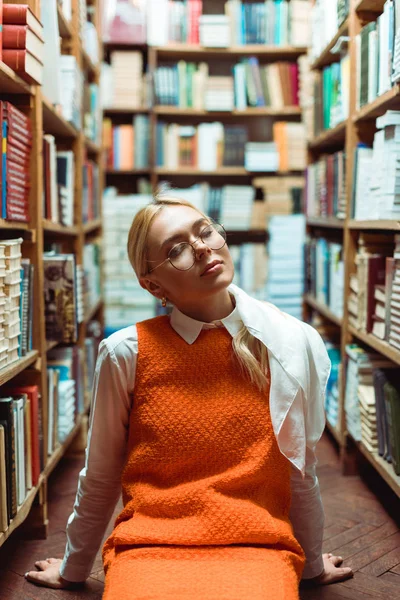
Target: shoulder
121	347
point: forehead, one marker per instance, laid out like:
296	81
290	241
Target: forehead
171	220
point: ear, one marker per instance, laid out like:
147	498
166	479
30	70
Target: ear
151	286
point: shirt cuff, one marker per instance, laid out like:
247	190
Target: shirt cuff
73	573
313	569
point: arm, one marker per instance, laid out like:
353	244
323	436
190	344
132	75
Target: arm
99	485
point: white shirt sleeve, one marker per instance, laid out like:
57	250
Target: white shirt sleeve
99	485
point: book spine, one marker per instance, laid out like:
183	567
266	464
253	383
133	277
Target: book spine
14	37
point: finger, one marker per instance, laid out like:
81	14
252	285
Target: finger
53	561
344	572
39	577
336	560
42	564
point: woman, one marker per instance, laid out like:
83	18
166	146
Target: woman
210	419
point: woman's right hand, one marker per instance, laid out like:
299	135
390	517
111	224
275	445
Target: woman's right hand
48	574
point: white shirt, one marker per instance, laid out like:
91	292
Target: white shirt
299	367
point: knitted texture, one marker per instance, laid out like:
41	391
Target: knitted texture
204	476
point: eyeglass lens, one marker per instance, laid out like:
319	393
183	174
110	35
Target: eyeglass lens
182	256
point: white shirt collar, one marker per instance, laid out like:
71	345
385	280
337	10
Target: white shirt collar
189	329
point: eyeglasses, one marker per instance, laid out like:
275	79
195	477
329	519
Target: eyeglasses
183	255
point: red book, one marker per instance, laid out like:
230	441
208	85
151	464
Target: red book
1	29
26	65
294	83
21	14
12	113
36	431
18	176
13	215
21	37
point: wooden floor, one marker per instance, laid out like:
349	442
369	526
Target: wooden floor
358	528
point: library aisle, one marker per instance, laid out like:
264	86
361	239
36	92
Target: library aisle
357	527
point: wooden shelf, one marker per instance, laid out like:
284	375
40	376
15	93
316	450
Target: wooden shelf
370	6
329	138
64	26
54	122
335	433
127	172
92	147
379	345
382	225
22	513
10	371
238	237
323	310
176	111
220	172
56	228
92	226
10	83
50	344
384	468
388	100
328	222
16	225
326	58
260	50
125	111
88	64
92	312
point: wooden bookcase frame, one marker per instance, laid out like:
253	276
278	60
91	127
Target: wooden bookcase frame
32	368
360	126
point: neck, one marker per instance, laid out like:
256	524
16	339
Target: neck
215	308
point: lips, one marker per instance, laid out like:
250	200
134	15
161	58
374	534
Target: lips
211	265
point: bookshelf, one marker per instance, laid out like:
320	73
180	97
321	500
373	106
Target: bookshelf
360	126
31	369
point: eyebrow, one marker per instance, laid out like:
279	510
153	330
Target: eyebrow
177	236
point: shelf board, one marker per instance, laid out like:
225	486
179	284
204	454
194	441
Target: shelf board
326	58
238	237
334	432
23	512
10	371
64	26
54	122
59	452
260	50
125	111
16	225
370	6
127	171
384	468
382	224
379	345
330	137
322	309
50	344
261	111
91	146
329	222
388	100
10	83
220	172
88	64
56	228
92	226
91	313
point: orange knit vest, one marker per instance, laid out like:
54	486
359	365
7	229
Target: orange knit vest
203	464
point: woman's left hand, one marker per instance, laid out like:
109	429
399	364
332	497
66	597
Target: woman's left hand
333	572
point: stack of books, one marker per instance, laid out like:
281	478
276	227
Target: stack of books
285	282
21	448
379	316
250	264
331	95
126	302
374	46
281	196
290	140
326	187
122	83
26	306
173	22
370	271
71	90
90	191
261	156
274	85
219	94
92	275
237	207
10	301
60	297
387	396
325	273
392	293
58	182
214	31
307	83
22	42
16	144
376	184
326	18
92	113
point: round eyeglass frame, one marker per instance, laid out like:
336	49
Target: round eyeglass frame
224	236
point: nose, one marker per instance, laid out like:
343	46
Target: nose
200	248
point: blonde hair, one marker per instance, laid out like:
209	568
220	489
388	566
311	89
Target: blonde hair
250	352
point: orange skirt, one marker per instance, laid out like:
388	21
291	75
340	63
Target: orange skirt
232	572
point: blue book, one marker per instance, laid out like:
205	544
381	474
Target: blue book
4	171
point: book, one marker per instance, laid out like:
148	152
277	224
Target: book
3	481
21	37
60	297
25	64
7	420
21	14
